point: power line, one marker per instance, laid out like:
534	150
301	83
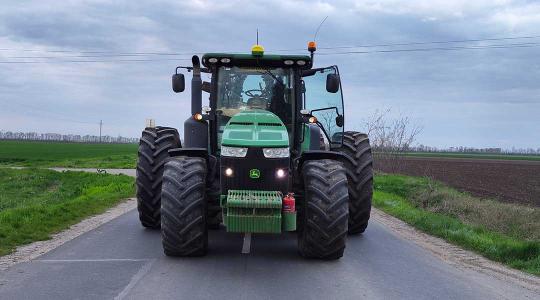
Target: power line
110	54
114	53
432	42
89	56
454	48
91	61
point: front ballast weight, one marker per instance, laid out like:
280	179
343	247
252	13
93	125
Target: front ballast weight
249	211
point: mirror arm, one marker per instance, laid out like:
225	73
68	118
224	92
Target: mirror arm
324	131
326	108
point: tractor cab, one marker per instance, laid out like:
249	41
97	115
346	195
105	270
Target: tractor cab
284	85
268	155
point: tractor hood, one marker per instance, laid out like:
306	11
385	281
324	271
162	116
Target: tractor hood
255	128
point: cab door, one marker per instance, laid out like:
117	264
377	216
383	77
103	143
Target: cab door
324	99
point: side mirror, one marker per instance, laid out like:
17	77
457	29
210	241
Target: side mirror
339	121
332	83
178	83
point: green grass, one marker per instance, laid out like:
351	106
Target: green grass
34	203
69	155
474	155
502	232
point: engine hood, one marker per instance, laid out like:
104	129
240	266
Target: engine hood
255	128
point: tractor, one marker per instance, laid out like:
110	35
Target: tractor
269	154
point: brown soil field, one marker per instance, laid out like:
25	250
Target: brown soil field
505	180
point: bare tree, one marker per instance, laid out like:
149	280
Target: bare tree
390	138
328	120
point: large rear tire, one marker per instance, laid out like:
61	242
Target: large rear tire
325	210
359	167
153	152
184	231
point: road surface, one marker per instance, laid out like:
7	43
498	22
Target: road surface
122	260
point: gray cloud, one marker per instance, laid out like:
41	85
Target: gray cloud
471	97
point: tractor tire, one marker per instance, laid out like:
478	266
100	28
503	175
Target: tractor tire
359	167
184	231
153	152
325	210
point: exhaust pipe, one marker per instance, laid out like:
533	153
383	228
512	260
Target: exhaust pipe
196	132
196	87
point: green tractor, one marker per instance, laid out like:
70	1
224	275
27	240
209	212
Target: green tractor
268	155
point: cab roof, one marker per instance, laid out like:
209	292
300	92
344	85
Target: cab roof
250	60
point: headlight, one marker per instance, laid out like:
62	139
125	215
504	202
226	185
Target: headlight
276	152
233	151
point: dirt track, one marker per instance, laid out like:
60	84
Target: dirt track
506	180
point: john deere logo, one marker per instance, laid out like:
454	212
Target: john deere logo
254	173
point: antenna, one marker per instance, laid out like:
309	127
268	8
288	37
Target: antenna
257	36
318	28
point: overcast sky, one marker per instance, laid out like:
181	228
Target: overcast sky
479	98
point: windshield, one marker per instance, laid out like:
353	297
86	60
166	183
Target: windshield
254	88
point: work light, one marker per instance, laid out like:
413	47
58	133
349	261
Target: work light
233	151
276	152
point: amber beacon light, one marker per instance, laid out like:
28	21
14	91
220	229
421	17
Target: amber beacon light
312	46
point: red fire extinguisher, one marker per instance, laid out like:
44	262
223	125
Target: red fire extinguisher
288	203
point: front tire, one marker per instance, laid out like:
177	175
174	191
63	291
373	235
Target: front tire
325	210
359	166
184	231
153	152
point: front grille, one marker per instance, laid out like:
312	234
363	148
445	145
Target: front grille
270	124
254	159
241	123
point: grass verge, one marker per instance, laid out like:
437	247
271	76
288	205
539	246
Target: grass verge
34	203
68	155
502	232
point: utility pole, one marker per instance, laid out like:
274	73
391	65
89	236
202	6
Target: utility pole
100	125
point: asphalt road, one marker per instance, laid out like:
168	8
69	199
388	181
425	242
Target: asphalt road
122	260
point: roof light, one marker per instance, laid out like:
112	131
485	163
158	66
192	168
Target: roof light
257	50
212	60
312	119
301	62
225	60
288	62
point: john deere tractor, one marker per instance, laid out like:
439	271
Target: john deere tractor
269	154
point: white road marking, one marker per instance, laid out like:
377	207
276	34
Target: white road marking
90	260
246	247
135	279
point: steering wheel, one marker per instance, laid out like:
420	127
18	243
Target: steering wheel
251	93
